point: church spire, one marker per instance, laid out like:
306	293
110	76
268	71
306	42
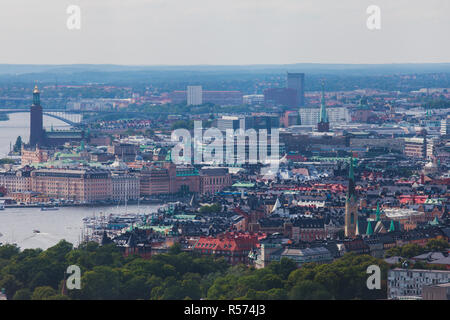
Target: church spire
369	230
323	109
378	214
351	180
392	226
351	206
323	124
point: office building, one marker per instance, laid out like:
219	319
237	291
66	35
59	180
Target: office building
445	126
253	99
336	115
194	95
404	283
296	81
199	96
79	185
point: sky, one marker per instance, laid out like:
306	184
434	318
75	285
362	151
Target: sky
223	32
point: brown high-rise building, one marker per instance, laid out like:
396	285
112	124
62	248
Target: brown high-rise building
351	206
296	81
37	136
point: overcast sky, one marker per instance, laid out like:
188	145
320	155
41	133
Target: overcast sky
186	32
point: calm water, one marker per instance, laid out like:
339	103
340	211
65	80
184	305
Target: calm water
17	224
19	125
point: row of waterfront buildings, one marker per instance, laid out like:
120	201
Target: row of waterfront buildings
90	185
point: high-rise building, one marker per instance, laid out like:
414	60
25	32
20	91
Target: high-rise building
351	205
323	125
296	81
194	95
197	95
445	126
36	122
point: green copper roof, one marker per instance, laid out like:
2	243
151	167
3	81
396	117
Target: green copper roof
378	214
184	216
351	174
369	230
243	185
363	103
392	227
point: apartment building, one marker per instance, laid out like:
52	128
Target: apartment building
79	185
403	283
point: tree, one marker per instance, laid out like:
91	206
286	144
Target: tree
135	288
42	293
175	248
437	245
8	251
102	283
213	208
309	290
18	145
22	294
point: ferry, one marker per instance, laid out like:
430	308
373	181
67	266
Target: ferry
49	208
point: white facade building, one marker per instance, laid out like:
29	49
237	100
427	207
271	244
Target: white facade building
125	187
409	282
445	126
336	115
194	95
253	99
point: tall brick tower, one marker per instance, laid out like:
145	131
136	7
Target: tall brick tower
351	205
36	125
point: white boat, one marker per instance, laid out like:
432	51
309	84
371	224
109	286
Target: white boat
49	208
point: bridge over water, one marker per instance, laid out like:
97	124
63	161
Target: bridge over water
73	119
76	117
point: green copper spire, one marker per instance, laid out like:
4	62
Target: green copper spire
369	230
323	117
392	227
378	214
351	174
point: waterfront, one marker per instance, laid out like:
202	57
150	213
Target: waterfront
19	125
17	224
